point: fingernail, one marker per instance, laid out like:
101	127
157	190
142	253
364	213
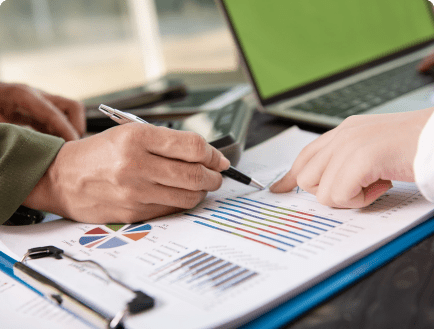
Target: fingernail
224	163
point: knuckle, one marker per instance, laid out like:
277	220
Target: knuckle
15	91
128	137
173	172
218	183
116	176
362	157
74	107
125	135
303	182
135	131
306	150
323	198
215	160
303	157
171	139
197	144
192	199
130	216
126	195
118	172
350	120
340	199
196	176
18	88
344	134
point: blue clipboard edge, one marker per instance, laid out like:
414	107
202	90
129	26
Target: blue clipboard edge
312	297
6	266
307	300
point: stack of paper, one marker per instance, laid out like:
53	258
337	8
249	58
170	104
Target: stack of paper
238	254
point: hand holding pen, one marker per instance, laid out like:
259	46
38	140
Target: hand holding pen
123	117
129	173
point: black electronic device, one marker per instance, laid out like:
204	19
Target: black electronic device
147	95
220	114
196	100
225	128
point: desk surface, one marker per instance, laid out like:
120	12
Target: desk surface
399	295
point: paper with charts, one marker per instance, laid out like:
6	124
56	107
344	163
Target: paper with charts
23	308
235	255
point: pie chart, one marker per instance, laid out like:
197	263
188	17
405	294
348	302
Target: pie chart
114	235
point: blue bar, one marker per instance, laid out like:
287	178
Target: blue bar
305	301
266	204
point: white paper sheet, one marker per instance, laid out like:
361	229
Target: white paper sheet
23	308
237	254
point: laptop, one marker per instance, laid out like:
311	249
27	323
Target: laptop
319	62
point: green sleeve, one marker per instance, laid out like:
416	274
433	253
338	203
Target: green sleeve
25	155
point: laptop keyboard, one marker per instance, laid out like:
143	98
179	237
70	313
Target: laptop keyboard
366	94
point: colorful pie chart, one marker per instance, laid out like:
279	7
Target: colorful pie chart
114	235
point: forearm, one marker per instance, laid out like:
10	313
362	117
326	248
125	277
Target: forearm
25	155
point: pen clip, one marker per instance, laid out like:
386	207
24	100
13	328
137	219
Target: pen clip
42	252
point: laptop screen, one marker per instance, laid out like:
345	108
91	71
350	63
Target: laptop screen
294	45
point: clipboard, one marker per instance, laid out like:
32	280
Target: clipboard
314	296
66	298
295	307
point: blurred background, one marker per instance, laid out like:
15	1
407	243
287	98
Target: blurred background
83	48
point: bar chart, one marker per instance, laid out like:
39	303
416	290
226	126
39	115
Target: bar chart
202	273
400	195
274	226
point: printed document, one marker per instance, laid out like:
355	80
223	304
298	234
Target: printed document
23	308
235	256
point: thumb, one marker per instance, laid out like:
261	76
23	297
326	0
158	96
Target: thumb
368	194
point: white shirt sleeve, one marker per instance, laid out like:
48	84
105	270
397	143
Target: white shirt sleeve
424	161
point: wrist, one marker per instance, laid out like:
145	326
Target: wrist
46	194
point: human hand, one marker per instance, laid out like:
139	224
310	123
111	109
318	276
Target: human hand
129	173
354	164
427	63
56	115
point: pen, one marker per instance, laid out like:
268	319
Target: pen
123	117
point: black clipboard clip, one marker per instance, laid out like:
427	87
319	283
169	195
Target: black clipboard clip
69	300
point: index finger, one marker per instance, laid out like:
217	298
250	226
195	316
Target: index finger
185	146
289	181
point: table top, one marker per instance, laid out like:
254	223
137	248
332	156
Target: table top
398	295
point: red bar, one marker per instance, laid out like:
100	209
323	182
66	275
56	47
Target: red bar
298	217
241	229
278	228
260	242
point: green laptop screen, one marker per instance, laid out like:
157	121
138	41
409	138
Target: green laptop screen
292	43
